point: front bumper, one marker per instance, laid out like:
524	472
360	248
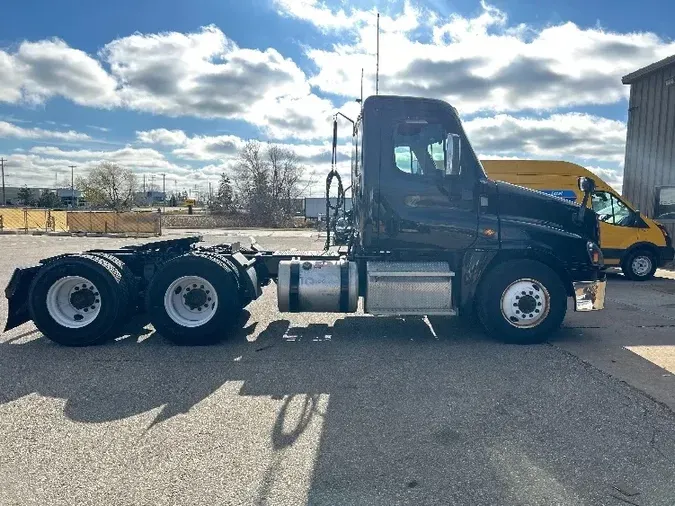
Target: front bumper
589	295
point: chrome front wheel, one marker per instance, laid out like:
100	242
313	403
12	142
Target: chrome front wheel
525	303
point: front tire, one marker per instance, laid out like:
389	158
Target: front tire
194	299
639	265
521	302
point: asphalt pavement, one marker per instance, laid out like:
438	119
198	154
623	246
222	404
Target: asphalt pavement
330	410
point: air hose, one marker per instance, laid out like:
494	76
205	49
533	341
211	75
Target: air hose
333	174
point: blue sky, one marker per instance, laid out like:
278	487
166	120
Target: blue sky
177	87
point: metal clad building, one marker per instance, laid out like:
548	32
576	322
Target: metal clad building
650	146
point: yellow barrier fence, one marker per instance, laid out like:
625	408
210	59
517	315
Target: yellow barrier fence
47	220
33	219
112	222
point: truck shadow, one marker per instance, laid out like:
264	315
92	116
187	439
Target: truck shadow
140	371
409	411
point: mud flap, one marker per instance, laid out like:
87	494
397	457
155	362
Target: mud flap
17	296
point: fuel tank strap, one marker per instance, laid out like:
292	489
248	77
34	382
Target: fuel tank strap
294	287
344	287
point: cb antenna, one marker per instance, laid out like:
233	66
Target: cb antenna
377	64
361	87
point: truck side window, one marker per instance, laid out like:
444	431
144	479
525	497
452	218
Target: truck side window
419	149
611	210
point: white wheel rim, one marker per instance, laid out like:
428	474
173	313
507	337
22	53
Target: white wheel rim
190	301
73	302
525	303
641	265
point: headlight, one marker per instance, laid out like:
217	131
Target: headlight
595	253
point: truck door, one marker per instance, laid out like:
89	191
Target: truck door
420	206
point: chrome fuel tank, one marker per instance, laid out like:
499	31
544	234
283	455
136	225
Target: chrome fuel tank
318	286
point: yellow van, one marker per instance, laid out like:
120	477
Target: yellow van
628	239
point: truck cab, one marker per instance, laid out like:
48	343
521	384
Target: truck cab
629	239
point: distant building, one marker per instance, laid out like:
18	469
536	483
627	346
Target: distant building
649	172
314	206
70	198
149	198
12	194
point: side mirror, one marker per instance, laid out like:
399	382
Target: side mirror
453	154
586	184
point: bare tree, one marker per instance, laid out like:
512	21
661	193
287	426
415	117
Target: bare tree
268	179
109	186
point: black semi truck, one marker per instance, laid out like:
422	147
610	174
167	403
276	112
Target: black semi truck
430	234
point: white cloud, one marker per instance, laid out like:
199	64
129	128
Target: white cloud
481	63
10	130
202	74
220	147
207	75
41	70
559	136
613	178
162	136
327	19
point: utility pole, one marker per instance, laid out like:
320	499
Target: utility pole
164	190
2	167
72	185
377	65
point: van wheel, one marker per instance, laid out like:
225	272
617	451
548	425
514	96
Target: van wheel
639	265
521	302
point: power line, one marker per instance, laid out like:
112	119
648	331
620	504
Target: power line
2	166
72	185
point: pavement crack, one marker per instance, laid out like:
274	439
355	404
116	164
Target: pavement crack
652	444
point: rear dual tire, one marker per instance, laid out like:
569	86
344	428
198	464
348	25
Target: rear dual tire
194	299
80	300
